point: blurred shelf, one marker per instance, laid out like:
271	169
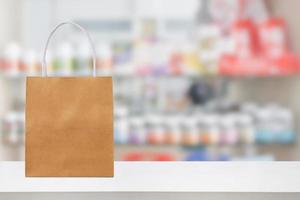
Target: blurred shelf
17	76
255	152
165	177
285	65
238	145
118	76
122	76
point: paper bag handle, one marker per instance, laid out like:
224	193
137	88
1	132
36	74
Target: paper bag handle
44	66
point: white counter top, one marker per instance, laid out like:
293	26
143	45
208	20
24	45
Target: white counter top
165	177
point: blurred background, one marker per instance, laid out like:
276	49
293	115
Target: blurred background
194	80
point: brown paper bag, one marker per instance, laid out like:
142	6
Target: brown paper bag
69	125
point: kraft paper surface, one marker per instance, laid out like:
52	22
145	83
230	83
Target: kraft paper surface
69	127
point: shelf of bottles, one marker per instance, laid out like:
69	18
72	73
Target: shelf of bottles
168	91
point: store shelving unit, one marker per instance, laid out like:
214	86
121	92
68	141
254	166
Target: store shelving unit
180	152
148	37
173	177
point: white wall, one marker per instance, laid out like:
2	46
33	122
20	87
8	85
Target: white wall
9	21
